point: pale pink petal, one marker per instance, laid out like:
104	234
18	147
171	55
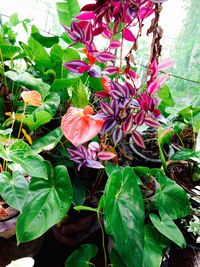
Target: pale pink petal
166	64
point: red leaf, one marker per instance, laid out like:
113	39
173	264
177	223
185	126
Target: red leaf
89	7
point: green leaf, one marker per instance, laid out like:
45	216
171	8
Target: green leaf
184	154
27	80
124	215
80	95
14	19
19	149
50	103
9	51
67	10
49	203
79	192
168	228
171	197
37	119
13	189
165	94
47	142
41	57
81	256
44	40
79	208
152	250
115	259
59	56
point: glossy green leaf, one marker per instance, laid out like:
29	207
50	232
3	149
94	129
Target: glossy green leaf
47	142
124	215
115	259
37	119
80	95
171	197
41	57
81	257
32	165
168	228
19	149
49	203
29	81
50	103
79	192
14	189
9	51
46	41
152	250
165	95
185	154
67	10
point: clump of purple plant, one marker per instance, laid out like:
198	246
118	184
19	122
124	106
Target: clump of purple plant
128	101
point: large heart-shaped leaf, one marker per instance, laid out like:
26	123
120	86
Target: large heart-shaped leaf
171	197
14	189
47	142
81	257
29	81
47	204
124	215
168	228
115	259
152	250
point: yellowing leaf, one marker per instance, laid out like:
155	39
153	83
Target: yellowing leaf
27	136
32	98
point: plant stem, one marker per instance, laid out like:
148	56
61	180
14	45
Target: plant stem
22	120
103	239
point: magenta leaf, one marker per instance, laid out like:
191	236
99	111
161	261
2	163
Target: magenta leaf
128	35
111	70
105	155
105	56
137	138
88	7
77	30
88	15
115	44
146	12
153	87
139	118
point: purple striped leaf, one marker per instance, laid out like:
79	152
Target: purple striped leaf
105	155
77	66
88	33
106	108
130	89
139	118
105	56
111	70
77	30
128	124
137	139
117	90
108	125
128	35
90	163
115	106
88	15
151	122
117	135
114	44
153	88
